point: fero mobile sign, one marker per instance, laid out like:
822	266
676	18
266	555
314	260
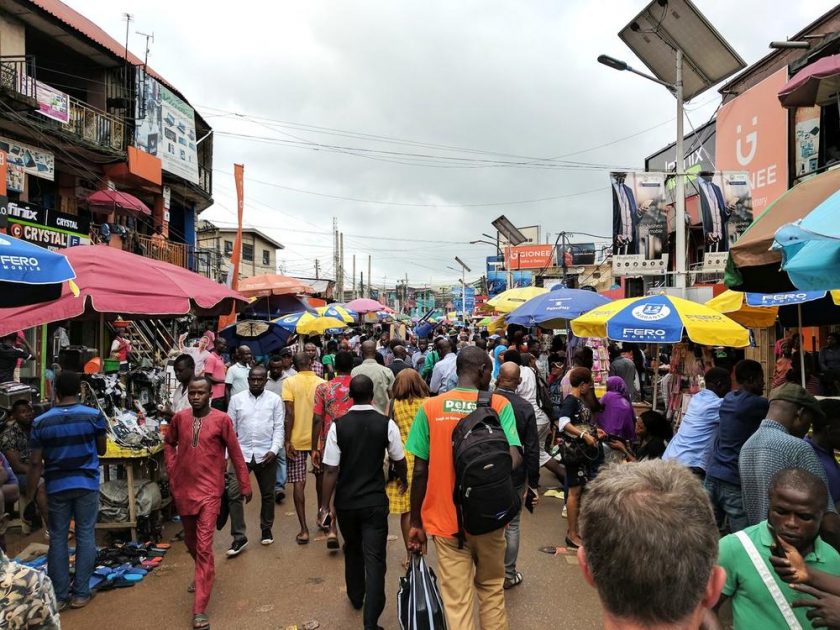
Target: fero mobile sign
752	136
529	257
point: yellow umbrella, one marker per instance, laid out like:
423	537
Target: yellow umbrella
733	305
338	312
512	299
497	325
309	324
661	319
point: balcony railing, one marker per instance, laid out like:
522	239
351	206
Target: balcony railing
95	126
205	262
17	75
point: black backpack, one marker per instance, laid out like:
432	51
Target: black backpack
485	498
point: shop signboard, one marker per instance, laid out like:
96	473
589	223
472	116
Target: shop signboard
576	254
699	150
726	208
495	263
752	136
497	281
44	227
529	256
807	138
457	299
27	159
640	220
52	103
166	128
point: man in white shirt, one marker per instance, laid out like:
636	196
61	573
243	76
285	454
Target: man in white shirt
444	369
279	369
184	368
258	417
236	379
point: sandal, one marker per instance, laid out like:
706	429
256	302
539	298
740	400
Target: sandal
201	622
191	588
302	539
516	580
332	542
571	545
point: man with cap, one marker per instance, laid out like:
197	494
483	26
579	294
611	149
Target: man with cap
778	444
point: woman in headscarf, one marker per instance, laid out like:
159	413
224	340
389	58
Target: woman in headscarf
617	418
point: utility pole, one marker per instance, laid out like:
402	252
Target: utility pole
369	277
353	292
362	283
341	266
335	253
316	269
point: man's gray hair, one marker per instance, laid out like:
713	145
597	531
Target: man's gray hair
650	540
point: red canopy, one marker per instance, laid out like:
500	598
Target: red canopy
114	282
272	284
114	200
816	84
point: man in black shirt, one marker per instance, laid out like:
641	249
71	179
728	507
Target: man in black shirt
399	363
353	468
10	354
526	426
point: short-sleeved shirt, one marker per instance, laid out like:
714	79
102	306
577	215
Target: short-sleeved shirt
214	366
741	412
694	441
332	400
430	438
12	438
328	361
66	436
237	378
769	450
300	391
383	379
752	604
30	596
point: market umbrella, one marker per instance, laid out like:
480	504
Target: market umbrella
264	338
810	247
512	299
308	324
274	306
118	202
555	308
733	304
366	305
338	312
114	282
752	264
30	274
818	83
498	325
272	284
485	321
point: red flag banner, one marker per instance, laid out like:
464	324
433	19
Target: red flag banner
236	255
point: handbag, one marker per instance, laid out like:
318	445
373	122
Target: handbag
574	451
419	605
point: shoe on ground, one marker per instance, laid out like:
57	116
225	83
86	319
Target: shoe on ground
564	515
267	538
279	497
62	605
237	547
80	602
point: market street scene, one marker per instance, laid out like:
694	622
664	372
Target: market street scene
420	316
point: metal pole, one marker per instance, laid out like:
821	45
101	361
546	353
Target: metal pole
341	266
801	349
353	294
679	215
464	293
369	278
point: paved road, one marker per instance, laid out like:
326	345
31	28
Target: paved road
283	584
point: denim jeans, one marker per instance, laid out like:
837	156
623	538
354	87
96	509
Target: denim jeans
280	484
83	507
512	540
728	504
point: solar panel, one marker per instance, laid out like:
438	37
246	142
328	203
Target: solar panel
665	25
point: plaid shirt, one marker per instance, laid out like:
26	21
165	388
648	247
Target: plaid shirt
771	449
318	368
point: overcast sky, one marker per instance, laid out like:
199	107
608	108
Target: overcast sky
498	80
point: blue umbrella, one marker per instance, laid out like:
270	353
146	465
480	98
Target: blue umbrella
264	338
555	308
811	247
30	274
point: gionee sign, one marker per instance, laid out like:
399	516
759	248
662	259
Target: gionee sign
529	256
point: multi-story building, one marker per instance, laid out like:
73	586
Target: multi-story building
80	115
259	251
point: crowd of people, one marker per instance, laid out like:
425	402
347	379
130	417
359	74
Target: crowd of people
738	503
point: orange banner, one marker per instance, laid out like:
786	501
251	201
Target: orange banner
236	255
529	257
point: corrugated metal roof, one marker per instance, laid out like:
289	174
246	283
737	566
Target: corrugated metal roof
87	28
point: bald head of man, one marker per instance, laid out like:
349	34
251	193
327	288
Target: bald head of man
509	376
369	349
244	355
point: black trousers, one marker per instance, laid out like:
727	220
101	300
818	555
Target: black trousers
266	475
365	535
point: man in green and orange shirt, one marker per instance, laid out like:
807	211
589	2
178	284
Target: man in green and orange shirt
432	507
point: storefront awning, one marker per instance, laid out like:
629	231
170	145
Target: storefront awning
116	201
817	83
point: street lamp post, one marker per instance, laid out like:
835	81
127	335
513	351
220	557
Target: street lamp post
464	270
676	89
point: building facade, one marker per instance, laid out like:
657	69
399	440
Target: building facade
259	251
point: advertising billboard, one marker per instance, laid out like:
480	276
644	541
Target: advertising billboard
24	158
726	208
458	299
47	228
529	257
497	281
752	136
639	218
699	157
166	128
52	103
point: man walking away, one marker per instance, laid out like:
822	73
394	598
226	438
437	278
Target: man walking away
664	575
526	427
215	370
279	369
66	443
624	367
299	398
195	461
478	567
741	412
444	369
400	361
353	468
382	377
258	418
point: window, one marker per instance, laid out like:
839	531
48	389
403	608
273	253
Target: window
266	258
248	252
228	248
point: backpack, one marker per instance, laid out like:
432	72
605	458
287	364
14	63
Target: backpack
485	498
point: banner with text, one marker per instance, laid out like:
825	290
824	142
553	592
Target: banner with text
529	257
640	220
47	228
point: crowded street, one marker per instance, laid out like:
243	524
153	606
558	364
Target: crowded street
420	316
